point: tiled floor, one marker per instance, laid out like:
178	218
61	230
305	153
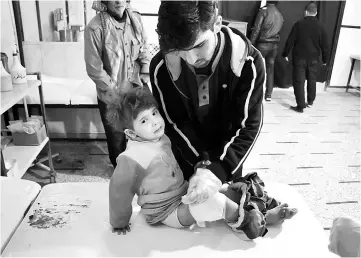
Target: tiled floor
318	152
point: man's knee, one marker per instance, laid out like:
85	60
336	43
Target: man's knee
270	61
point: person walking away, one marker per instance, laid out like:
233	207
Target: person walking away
309	40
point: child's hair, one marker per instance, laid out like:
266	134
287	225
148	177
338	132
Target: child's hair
123	108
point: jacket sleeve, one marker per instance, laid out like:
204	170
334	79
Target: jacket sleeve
290	41
247	120
324	46
144	55
257	26
93	46
181	133
122	188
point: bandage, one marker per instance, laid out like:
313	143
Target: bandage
213	209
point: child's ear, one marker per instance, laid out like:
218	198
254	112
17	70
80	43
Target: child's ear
130	133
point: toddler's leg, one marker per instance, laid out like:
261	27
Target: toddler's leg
216	208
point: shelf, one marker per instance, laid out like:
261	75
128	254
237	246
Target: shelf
10	98
24	155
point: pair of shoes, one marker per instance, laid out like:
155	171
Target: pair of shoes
297	109
268	98
309	105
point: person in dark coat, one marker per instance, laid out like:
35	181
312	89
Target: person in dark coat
308	40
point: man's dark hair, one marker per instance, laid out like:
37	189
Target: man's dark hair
179	22
311	7
123	109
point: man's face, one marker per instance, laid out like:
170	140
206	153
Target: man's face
116	8
200	54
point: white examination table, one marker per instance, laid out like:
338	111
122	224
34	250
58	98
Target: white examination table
16	197
74	221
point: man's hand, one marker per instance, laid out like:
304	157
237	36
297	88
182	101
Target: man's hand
201	186
122	230
144	77
201	164
286	58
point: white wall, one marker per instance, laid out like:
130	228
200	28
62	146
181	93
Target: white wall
30	20
46	16
349	43
8	35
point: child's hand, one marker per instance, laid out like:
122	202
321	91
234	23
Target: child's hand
122	230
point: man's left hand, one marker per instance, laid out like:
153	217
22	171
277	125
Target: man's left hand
144	77
202	185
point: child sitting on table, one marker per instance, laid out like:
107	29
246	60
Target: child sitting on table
148	168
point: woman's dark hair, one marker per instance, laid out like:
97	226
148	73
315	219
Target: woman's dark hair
179	22
123	109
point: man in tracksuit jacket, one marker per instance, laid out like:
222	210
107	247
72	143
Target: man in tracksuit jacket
209	82
309	40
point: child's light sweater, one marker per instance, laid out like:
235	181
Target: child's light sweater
152	173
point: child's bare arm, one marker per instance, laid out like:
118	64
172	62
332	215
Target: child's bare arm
122	189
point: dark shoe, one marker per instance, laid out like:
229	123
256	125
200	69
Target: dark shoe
297	109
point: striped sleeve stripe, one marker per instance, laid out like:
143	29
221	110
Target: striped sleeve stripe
166	113
243	123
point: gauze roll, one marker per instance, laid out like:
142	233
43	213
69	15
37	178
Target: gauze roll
212	209
201	186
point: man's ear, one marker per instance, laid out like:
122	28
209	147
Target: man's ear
218	24
130	133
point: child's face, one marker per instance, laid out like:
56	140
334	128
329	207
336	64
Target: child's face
149	125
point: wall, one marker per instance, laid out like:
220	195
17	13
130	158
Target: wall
8	34
30	20
46	17
348	43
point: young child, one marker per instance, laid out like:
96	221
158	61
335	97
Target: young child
148	168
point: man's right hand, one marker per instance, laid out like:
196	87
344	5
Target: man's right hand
286	58
123	231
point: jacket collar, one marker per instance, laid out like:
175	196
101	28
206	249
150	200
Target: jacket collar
119	25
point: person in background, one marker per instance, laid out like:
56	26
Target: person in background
345	237
265	37
116	55
309	40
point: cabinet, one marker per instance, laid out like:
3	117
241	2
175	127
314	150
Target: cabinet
26	155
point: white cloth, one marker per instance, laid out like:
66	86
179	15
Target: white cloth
212	209
201	186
